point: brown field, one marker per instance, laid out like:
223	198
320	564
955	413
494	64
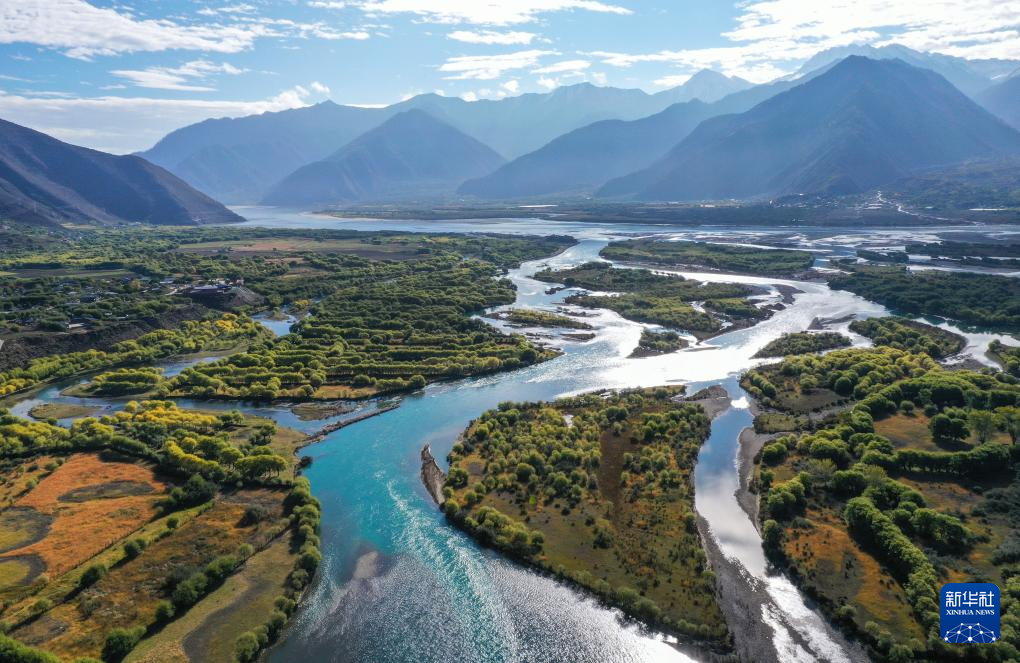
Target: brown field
80	529
392	251
207	632
841	573
16	477
911	431
128	595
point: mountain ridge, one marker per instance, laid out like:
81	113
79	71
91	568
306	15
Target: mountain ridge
44	180
412	153
860	123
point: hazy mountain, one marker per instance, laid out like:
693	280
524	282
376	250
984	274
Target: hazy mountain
586	158
581	161
970	76
410	154
521	124
45	180
707	86
861	123
237	159
1003	99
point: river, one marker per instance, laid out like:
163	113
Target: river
397	583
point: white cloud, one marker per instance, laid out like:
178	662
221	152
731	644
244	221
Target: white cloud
318	87
562	67
548	83
129	124
492	37
490	67
599	78
512	86
672	81
469	96
322	4
772	37
229	9
82	30
485	12
177	78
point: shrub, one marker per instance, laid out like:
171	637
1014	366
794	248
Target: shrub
246	647
91	576
134	548
120	642
164	612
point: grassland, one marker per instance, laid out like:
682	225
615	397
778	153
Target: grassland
123	532
915	484
598	490
723	257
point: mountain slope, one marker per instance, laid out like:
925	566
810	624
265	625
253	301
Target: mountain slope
1003	99
970	76
861	123
410	154
586	158
237	159
44	180
706	86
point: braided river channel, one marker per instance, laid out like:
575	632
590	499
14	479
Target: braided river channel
398	584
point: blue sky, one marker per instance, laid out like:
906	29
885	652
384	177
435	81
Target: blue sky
118	75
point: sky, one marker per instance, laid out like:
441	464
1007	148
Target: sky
118	75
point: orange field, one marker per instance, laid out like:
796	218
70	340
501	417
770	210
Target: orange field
89	522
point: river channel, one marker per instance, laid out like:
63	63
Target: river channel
398	584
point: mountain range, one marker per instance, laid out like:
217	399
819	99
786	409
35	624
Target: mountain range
411	153
862	123
238	160
1003	99
44	180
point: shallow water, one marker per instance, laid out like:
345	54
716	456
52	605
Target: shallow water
426	592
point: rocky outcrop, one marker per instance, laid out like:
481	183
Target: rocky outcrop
432	476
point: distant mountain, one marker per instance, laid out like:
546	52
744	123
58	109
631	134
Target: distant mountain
707	86
970	76
238	160
584	159
411	154
861	123
44	180
1003	99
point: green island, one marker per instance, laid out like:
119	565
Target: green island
666	300
911	485
654	342
114	529
906	334
980	299
721	257
799	343
1007	355
526	317
597	489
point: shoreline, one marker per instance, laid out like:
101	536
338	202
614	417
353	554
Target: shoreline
432	476
321	434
